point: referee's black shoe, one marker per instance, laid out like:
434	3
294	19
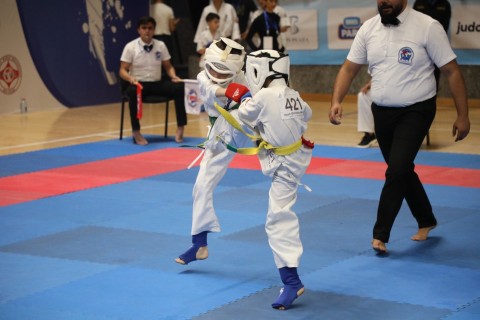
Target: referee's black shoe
367	140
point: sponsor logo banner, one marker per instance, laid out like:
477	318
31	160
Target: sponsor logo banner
303	32
343	25
465	27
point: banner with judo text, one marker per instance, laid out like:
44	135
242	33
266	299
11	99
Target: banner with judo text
321	32
193	101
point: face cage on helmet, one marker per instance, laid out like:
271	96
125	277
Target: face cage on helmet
221	66
217	75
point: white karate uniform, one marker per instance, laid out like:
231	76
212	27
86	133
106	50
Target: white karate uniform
216	158
280	116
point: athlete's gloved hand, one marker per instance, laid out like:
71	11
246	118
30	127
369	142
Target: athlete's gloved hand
237	92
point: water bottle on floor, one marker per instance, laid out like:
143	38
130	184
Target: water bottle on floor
23	106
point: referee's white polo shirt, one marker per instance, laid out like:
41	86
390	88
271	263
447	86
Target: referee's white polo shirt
401	58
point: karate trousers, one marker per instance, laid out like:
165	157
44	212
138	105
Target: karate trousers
213	167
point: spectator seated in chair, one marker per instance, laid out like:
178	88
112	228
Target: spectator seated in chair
141	62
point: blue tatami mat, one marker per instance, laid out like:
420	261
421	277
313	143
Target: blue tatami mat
425	284
323	305
131	293
107	253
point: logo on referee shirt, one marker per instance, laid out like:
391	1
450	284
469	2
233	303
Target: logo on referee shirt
405	55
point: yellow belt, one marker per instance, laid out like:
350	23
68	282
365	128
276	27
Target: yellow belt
281	151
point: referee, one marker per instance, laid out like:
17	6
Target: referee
401	46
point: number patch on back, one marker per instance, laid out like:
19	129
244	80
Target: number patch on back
293	107
293	104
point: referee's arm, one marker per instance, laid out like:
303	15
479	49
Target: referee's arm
456	83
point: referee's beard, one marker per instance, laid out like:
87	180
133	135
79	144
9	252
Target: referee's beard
389	13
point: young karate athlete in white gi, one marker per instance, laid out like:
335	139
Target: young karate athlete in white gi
279	115
224	60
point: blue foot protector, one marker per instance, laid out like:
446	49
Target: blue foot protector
292	289
189	255
287	295
198	240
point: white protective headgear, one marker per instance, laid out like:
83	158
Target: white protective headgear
224	59
263	64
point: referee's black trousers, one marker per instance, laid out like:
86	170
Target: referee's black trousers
400	133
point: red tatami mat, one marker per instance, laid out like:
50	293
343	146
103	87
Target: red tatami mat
41	184
448	176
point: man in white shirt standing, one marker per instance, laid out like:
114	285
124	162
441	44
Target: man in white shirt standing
401	47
